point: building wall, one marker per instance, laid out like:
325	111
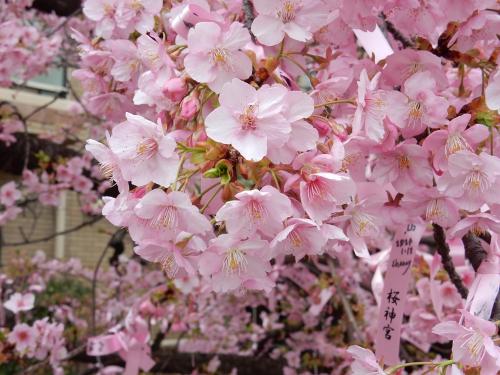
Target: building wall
86	243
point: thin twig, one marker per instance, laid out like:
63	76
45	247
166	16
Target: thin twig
53	235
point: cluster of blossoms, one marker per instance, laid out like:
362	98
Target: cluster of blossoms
25	50
249	133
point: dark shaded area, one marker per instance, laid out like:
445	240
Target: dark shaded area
444	250
60	7
170	361
12	157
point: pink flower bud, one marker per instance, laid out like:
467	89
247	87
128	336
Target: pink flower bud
321	126
189	107
175	89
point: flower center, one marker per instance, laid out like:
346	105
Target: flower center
295	239
475	346
288	11
219	56
434	210
404	162
317	190
147	148
23	336
256	210
166	218
248	119
476	182
107	170
235	261
363	224
169	265
415	114
136	5
478	230
455	143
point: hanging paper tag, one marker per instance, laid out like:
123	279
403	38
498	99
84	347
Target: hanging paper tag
484	290
394	296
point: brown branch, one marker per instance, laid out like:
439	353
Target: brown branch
444	250
396	34
53	235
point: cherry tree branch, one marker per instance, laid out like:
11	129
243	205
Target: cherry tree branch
248	12
444	250
396	34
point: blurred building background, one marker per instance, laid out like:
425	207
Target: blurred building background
42	222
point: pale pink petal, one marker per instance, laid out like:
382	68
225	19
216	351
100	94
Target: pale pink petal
268	30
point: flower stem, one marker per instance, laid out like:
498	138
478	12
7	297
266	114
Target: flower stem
392	370
202	210
336	101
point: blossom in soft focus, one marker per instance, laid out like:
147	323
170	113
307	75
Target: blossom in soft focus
472	342
365	362
454	138
231	263
23	337
20	302
471	179
9	194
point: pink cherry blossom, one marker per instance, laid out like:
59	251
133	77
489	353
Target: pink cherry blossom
436	207
126	62
405	167
103	12
471	179
249	119
472	343
139	13
297	19
423	108
145	152
322	192
9	194
152	52
478	224
23	337
303	135
177	258
372	108
109	162
456	137
20	302
303	237
171	213
256	211
231	263
214	57
365	362
404	63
